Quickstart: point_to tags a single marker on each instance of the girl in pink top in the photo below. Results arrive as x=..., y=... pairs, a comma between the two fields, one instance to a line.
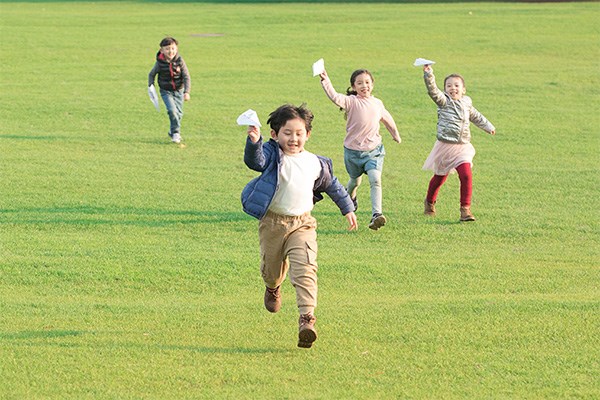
x=363, y=147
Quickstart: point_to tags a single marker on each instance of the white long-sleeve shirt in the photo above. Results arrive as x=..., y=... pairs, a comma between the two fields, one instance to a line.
x=297, y=176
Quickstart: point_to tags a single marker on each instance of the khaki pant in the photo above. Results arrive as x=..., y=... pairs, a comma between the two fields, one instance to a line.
x=290, y=243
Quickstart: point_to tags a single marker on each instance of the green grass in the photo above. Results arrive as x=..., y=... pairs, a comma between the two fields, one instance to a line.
x=128, y=270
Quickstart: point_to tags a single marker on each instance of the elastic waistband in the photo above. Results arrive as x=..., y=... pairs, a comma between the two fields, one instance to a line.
x=378, y=147
x=274, y=215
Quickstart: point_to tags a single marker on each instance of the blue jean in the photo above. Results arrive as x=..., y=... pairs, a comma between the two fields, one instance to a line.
x=360, y=162
x=174, y=104
x=369, y=162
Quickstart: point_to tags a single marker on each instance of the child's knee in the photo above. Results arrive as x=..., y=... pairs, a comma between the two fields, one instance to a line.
x=374, y=178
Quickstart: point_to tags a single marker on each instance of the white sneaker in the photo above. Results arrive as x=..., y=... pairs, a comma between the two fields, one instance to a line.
x=176, y=138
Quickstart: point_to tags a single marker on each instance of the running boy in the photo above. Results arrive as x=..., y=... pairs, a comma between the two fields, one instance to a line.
x=282, y=197
x=174, y=82
x=453, y=149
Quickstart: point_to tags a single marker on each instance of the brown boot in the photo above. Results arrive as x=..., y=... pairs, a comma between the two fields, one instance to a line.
x=465, y=214
x=306, y=330
x=272, y=299
x=429, y=208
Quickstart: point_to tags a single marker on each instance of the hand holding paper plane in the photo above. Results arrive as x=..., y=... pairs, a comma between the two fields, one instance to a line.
x=153, y=97
x=422, y=61
x=318, y=67
x=248, y=117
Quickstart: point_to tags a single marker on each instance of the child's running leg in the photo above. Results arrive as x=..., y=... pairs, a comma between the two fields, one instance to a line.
x=301, y=249
x=376, y=192
x=466, y=183
x=466, y=189
x=354, y=163
x=378, y=219
x=273, y=264
x=174, y=105
x=353, y=185
x=435, y=184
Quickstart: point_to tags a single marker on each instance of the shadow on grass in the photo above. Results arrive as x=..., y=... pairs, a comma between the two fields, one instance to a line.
x=88, y=215
x=78, y=139
x=45, y=334
x=443, y=222
x=33, y=137
x=25, y=338
x=295, y=1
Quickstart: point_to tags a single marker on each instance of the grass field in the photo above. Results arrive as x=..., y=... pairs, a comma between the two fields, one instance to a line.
x=128, y=270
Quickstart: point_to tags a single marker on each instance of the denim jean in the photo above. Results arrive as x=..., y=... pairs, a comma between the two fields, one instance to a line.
x=369, y=162
x=174, y=104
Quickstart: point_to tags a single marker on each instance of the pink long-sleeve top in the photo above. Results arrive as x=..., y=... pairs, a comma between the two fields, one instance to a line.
x=364, y=117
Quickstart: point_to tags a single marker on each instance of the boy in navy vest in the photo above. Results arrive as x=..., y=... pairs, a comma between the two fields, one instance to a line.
x=174, y=82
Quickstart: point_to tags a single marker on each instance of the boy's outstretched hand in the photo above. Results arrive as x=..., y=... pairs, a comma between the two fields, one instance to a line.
x=351, y=217
x=254, y=133
x=427, y=68
x=323, y=75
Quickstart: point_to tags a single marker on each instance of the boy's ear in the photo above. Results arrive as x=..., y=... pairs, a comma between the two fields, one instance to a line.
x=308, y=134
x=273, y=134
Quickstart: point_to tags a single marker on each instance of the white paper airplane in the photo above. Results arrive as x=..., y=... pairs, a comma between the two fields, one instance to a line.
x=248, y=117
x=422, y=61
x=153, y=97
x=318, y=67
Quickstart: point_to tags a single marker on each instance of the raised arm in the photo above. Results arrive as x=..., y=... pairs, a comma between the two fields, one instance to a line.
x=337, y=98
x=254, y=156
x=434, y=92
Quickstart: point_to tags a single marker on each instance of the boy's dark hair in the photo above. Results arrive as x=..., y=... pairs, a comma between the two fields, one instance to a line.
x=168, y=41
x=286, y=112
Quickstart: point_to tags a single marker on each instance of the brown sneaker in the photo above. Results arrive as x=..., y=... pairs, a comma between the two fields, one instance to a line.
x=377, y=221
x=306, y=330
x=429, y=208
x=465, y=214
x=272, y=299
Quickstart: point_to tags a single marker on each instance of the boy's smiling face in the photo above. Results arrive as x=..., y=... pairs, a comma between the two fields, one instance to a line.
x=292, y=136
x=169, y=51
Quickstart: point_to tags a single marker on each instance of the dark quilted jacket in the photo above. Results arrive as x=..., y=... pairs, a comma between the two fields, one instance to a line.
x=259, y=192
x=172, y=75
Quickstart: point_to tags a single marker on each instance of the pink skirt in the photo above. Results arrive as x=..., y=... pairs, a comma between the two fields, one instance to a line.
x=445, y=157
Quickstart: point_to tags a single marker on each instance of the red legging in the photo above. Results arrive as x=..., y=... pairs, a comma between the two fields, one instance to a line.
x=466, y=185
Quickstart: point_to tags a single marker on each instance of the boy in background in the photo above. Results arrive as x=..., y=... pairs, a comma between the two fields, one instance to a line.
x=174, y=82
